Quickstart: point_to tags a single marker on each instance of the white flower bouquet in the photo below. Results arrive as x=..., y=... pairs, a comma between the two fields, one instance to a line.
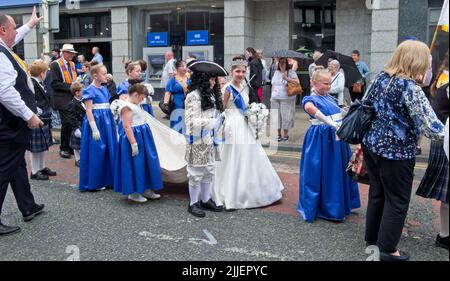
x=257, y=114
x=115, y=109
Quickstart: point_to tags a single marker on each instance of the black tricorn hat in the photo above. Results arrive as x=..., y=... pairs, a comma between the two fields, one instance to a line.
x=208, y=67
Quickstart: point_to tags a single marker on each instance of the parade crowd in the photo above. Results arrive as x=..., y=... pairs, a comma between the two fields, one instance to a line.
x=117, y=142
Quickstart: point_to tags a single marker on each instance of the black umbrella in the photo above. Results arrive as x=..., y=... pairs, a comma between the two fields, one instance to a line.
x=351, y=72
x=208, y=67
x=286, y=54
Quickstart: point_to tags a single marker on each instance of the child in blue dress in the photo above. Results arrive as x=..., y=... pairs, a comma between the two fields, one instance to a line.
x=326, y=191
x=133, y=70
x=137, y=168
x=98, y=137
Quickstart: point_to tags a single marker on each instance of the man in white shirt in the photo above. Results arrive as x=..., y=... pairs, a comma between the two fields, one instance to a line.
x=18, y=114
x=169, y=69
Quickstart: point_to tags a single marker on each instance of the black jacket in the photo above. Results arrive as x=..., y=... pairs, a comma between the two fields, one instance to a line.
x=256, y=68
x=61, y=90
x=43, y=101
x=76, y=113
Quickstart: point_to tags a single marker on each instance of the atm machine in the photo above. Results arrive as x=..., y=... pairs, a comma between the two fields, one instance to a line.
x=197, y=44
x=200, y=52
x=155, y=58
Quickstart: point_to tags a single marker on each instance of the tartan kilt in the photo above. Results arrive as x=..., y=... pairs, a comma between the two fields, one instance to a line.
x=434, y=184
x=41, y=139
x=75, y=143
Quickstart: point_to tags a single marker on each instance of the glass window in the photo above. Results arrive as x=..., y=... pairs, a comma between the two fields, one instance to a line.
x=83, y=26
x=159, y=23
x=197, y=21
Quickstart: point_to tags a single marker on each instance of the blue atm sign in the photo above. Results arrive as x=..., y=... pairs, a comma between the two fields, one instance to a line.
x=157, y=39
x=197, y=37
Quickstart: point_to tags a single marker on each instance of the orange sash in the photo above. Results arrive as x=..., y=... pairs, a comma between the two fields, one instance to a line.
x=65, y=72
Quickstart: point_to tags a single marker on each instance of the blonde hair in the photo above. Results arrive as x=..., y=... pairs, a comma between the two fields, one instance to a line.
x=410, y=60
x=96, y=68
x=38, y=67
x=318, y=73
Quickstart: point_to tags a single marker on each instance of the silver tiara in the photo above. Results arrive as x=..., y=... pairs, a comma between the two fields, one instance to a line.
x=239, y=62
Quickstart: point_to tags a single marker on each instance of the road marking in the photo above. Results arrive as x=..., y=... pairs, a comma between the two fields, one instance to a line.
x=256, y=253
x=211, y=240
x=148, y=236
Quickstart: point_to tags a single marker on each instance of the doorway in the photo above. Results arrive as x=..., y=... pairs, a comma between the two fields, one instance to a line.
x=105, y=50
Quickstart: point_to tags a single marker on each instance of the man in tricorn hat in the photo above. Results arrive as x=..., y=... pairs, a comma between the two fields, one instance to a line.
x=202, y=105
x=63, y=74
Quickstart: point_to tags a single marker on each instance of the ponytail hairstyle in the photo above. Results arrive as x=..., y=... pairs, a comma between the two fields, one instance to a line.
x=319, y=71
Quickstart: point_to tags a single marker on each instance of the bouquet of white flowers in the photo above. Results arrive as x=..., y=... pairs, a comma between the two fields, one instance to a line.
x=115, y=109
x=257, y=114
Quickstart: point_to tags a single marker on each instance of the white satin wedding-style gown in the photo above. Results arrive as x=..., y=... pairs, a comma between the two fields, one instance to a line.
x=245, y=177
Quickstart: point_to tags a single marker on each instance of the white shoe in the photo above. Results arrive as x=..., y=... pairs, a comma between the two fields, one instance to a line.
x=136, y=197
x=100, y=189
x=151, y=195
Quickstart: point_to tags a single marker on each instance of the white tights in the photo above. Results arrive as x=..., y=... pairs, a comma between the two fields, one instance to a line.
x=37, y=161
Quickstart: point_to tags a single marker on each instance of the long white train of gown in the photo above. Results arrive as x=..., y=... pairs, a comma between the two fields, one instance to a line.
x=171, y=147
x=245, y=177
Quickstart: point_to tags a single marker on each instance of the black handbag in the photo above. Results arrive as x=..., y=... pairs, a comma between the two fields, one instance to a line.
x=169, y=108
x=357, y=122
x=358, y=119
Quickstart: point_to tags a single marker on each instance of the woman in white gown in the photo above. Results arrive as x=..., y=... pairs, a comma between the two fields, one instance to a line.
x=244, y=177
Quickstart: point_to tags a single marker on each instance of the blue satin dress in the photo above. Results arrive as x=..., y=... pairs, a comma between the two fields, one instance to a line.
x=141, y=172
x=178, y=95
x=326, y=191
x=97, y=158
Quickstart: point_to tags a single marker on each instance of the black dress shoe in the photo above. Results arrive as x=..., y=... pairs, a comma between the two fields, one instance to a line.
x=442, y=242
x=77, y=163
x=5, y=230
x=211, y=206
x=404, y=256
x=48, y=172
x=37, y=210
x=39, y=176
x=196, y=210
x=64, y=154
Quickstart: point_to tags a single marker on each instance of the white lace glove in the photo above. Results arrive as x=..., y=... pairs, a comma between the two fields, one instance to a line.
x=77, y=133
x=319, y=115
x=134, y=149
x=95, y=131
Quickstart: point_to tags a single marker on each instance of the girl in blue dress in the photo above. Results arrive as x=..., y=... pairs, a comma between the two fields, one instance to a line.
x=326, y=191
x=99, y=136
x=137, y=169
x=133, y=70
x=176, y=90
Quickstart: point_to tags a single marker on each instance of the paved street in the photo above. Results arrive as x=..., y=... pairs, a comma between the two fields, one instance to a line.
x=105, y=226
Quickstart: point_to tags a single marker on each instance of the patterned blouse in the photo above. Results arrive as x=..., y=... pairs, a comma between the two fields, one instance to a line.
x=402, y=112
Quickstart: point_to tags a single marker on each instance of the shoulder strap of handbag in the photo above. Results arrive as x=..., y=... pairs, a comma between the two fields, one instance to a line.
x=366, y=95
x=335, y=78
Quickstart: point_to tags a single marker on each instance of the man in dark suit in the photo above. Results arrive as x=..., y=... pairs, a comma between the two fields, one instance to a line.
x=63, y=74
x=17, y=116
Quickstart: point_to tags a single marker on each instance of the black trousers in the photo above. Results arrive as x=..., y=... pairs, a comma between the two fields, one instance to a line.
x=13, y=170
x=389, y=195
x=66, y=130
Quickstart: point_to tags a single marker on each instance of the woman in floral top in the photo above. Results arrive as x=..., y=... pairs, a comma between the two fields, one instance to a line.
x=402, y=113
